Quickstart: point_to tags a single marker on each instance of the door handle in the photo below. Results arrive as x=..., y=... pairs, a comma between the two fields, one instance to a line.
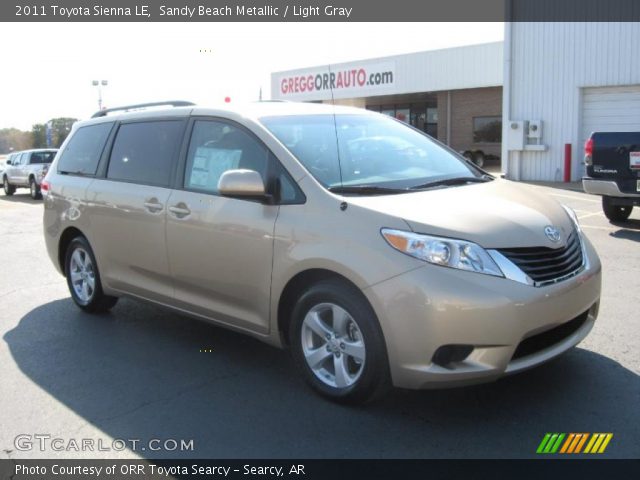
x=153, y=207
x=180, y=211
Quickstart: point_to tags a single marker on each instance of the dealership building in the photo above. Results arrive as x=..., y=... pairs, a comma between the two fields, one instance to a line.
x=531, y=100
x=453, y=94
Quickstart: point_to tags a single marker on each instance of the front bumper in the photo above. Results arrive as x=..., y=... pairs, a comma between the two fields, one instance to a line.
x=432, y=307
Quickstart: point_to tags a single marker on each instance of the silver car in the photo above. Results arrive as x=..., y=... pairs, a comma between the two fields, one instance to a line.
x=27, y=169
x=376, y=254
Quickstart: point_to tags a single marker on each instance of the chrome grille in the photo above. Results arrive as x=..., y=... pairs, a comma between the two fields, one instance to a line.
x=546, y=265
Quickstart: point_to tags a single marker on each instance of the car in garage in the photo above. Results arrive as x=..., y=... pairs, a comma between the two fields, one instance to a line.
x=376, y=254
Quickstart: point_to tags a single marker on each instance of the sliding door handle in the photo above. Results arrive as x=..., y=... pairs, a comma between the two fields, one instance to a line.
x=180, y=211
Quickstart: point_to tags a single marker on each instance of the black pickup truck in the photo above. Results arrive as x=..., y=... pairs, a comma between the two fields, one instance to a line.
x=613, y=171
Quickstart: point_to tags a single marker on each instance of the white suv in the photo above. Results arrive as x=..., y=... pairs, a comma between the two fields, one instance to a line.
x=27, y=169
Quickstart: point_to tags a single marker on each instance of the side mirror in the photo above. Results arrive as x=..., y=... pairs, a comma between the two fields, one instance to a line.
x=8, y=162
x=243, y=184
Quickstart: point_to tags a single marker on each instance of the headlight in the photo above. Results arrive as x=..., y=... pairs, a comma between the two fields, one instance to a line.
x=446, y=252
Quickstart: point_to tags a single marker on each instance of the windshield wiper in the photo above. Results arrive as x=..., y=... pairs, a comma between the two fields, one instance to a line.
x=366, y=189
x=452, y=181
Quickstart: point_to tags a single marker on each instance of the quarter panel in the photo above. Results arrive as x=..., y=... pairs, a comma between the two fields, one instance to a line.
x=65, y=206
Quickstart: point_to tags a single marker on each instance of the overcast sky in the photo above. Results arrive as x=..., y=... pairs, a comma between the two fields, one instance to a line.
x=47, y=68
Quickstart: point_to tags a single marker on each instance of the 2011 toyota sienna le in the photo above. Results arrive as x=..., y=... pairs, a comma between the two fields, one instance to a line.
x=376, y=254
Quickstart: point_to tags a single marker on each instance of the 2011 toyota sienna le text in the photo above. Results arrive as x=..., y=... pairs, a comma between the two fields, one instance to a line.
x=376, y=254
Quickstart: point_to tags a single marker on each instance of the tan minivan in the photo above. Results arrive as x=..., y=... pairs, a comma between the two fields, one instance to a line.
x=376, y=254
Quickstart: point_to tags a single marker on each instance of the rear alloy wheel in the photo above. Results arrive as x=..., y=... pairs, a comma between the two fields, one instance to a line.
x=337, y=343
x=83, y=278
x=615, y=213
x=8, y=188
x=34, y=189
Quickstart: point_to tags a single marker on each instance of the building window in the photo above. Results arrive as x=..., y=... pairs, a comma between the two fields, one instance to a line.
x=487, y=129
x=423, y=117
x=403, y=114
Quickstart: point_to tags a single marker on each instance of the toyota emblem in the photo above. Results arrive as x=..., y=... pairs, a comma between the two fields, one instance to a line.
x=552, y=233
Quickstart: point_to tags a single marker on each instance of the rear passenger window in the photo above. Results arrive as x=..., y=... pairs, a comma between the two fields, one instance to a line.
x=143, y=152
x=216, y=147
x=83, y=151
x=42, y=157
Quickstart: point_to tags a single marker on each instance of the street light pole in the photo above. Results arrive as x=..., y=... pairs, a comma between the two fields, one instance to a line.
x=99, y=84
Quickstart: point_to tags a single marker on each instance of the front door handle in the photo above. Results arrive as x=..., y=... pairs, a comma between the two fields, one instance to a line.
x=153, y=206
x=180, y=210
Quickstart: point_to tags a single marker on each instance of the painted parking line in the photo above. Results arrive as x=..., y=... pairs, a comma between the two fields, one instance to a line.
x=608, y=229
x=593, y=214
x=573, y=197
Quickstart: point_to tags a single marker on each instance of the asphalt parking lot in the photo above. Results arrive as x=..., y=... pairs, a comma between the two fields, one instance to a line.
x=141, y=373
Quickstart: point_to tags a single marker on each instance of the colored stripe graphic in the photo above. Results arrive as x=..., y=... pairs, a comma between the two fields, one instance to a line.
x=598, y=443
x=543, y=443
x=567, y=443
x=581, y=442
x=556, y=443
x=605, y=443
x=550, y=443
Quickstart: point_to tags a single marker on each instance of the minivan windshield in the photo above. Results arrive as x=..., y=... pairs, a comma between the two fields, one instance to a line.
x=370, y=153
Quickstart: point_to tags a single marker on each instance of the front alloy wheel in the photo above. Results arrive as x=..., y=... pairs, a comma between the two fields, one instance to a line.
x=333, y=345
x=337, y=343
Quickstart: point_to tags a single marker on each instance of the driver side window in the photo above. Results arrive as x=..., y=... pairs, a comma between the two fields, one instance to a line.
x=216, y=147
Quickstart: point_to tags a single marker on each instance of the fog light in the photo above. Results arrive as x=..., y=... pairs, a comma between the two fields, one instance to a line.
x=448, y=354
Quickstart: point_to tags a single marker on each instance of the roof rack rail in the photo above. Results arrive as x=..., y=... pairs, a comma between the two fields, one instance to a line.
x=172, y=103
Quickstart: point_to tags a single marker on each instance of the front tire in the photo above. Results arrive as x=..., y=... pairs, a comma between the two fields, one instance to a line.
x=615, y=213
x=8, y=188
x=337, y=343
x=83, y=278
x=34, y=189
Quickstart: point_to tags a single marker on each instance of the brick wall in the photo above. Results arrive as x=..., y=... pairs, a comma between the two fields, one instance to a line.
x=466, y=104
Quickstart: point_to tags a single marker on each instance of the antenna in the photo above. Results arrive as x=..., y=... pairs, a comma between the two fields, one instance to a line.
x=335, y=124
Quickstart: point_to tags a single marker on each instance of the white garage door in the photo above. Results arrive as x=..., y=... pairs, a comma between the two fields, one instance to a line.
x=610, y=109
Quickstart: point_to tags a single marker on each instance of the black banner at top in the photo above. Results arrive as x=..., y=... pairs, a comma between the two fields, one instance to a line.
x=319, y=10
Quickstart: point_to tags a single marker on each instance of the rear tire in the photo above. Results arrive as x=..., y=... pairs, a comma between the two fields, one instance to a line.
x=337, y=343
x=8, y=188
x=83, y=278
x=34, y=189
x=615, y=213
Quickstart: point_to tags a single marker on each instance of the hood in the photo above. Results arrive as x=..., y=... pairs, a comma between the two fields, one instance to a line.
x=496, y=214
